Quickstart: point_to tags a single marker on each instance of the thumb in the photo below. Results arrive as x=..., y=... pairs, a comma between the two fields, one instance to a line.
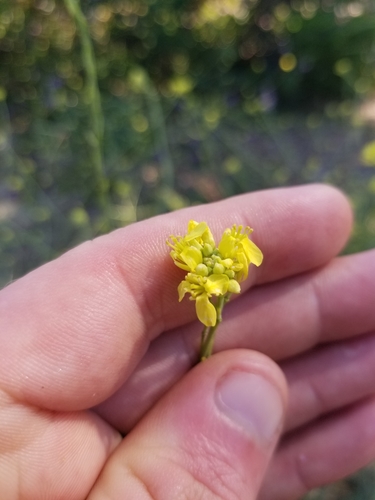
x=211, y=436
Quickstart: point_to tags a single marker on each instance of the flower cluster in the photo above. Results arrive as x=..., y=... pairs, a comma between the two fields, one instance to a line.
x=212, y=270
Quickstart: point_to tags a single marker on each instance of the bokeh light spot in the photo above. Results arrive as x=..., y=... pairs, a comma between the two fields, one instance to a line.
x=287, y=62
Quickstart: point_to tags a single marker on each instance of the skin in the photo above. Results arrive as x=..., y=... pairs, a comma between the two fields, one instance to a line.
x=94, y=345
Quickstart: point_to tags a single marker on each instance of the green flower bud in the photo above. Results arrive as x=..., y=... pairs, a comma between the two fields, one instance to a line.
x=218, y=268
x=202, y=270
x=230, y=273
x=207, y=250
x=234, y=286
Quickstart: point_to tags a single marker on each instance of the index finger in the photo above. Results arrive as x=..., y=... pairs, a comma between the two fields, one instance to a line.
x=73, y=330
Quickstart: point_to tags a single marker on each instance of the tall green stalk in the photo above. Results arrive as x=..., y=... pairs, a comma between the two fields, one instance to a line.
x=160, y=132
x=92, y=96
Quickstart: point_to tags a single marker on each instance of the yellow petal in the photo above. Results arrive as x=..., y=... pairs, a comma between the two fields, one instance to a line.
x=242, y=259
x=207, y=237
x=201, y=232
x=197, y=231
x=181, y=265
x=192, y=224
x=217, y=284
x=183, y=288
x=206, y=311
x=192, y=257
x=226, y=245
x=253, y=253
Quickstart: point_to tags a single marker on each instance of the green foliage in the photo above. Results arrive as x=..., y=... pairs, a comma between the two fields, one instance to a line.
x=203, y=47
x=191, y=95
x=357, y=487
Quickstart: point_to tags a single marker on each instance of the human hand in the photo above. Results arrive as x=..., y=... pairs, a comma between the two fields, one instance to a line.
x=76, y=333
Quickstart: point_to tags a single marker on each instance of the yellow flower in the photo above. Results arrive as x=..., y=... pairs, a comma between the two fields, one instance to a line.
x=212, y=271
x=200, y=232
x=237, y=246
x=201, y=289
x=187, y=251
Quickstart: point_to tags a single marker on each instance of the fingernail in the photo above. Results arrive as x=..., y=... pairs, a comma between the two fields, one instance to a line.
x=252, y=402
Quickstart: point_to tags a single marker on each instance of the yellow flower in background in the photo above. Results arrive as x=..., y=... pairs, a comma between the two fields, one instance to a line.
x=213, y=271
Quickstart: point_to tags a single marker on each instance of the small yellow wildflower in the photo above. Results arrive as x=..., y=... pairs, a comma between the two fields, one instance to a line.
x=188, y=251
x=236, y=245
x=213, y=271
x=201, y=289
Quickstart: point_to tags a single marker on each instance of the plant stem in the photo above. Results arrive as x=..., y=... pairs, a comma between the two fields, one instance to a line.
x=92, y=96
x=159, y=129
x=205, y=331
x=208, y=334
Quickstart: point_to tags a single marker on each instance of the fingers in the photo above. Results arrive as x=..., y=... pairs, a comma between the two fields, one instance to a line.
x=50, y=455
x=329, y=378
x=295, y=314
x=211, y=436
x=279, y=319
x=322, y=381
x=73, y=331
x=322, y=453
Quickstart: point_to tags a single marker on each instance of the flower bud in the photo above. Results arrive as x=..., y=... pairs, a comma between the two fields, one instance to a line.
x=218, y=268
x=202, y=270
x=234, y=286
x=207, y=250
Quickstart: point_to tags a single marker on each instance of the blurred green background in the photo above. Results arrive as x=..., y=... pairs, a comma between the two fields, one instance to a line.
x=115, y=110
x=200, y=100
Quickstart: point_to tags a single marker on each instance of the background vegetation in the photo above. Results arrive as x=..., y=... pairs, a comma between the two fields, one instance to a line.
x=129, y=108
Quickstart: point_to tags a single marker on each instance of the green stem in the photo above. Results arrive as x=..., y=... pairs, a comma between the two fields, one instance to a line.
x=92, y=95
x=208, y=335
x=158, y=126
x=205, y=331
